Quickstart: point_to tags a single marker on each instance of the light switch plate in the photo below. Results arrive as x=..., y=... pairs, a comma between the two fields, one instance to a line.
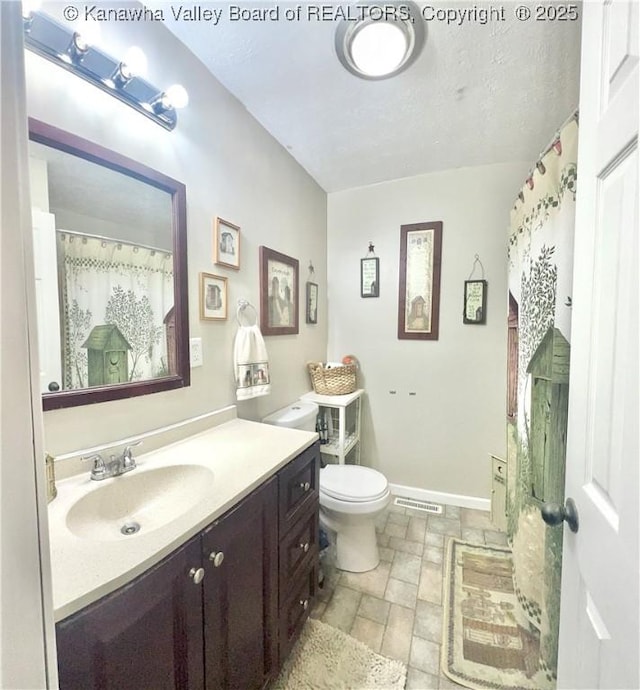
x=195, y=352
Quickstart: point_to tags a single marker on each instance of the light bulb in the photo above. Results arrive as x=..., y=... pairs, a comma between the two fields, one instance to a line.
x=88, y=32
x=177, y=96
x=136, y=62
x=378, y=48
x=29, y=7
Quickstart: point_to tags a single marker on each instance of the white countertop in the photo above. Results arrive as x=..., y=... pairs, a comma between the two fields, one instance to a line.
x=241, y=454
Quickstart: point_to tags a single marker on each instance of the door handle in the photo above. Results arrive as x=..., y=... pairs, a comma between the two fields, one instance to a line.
x=554, y=514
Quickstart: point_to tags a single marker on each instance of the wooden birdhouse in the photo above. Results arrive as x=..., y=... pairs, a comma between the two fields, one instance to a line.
x=549, y=369
x=107, y=354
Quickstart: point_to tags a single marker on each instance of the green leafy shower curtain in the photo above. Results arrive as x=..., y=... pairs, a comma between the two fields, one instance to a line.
x=540, y=287
x=110, y=283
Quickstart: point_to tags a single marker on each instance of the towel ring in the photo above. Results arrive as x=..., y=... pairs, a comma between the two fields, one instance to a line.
x=242, y=305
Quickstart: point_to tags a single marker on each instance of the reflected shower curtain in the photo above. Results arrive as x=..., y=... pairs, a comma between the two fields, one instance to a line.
x=540, y=297
x=116, y=297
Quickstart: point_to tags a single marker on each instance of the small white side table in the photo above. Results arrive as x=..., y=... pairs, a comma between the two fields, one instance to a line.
x=341, y=414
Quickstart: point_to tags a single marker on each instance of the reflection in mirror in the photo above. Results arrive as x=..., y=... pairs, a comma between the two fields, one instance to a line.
x=110, y=265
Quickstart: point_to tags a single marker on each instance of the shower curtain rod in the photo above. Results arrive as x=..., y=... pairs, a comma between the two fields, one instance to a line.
x=103, y=238
x=545, y=151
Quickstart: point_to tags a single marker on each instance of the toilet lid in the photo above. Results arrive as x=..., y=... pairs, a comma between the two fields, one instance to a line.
x=352, y=483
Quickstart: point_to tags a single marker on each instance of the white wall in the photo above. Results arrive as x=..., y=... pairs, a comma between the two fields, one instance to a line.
x=231, y=168
x=439, y=439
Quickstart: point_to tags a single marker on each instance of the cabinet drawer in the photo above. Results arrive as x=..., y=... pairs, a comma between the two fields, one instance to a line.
x=298, y=485
x=298, y=548
x=295, y=610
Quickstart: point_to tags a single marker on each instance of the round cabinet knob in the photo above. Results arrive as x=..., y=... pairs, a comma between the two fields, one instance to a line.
x=305, y=486
x=304, y=603
x=305, y=546
x=197, y=575
x=54, y=386
x=216, y=557
x=554, y=514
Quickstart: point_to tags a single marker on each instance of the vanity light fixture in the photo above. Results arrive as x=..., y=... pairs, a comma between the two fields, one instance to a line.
x=67, y=48
x=379, y=40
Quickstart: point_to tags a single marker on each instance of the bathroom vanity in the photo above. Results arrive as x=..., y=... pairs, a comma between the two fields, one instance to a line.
x=224, y=606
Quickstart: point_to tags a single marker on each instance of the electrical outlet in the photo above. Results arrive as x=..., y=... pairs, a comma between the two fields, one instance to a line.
x=195, y=352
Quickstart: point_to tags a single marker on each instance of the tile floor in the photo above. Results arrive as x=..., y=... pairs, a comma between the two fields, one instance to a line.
x=396, y=609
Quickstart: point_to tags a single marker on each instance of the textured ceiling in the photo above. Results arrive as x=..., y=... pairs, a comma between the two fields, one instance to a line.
x=478, y=93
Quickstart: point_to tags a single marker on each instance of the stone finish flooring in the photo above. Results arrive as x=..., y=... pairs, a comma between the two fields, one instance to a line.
x=396, y=609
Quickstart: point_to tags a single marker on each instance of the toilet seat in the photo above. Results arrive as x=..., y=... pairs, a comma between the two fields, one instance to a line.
x=353, y=483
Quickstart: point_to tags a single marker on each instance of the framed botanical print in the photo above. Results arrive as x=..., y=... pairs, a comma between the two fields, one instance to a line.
x=475, y=302
x=419, y=291
x=312, y=302
x=278, y=293
x=213, y=297
x=226, y=244
x=370, y=277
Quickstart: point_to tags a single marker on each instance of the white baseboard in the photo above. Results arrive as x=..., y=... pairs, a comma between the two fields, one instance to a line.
x=440, y=497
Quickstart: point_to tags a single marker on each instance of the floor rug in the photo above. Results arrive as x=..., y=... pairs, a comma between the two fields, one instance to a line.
x=487, y=639
x=325, y=658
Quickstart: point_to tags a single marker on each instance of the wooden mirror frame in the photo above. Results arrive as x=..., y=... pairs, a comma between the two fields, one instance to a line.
x=70, y=143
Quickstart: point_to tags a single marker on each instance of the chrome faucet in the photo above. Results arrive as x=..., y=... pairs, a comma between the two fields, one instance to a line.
x=115, y=466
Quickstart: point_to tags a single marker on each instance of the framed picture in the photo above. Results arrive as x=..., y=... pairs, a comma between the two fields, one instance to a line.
x=226, y=244
x=312, y=303
x=370, y=277
x=419, y=294
x=475, y=302
x=278, y=293
x=213, y=297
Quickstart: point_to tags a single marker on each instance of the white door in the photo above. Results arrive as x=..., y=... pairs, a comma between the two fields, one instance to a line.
x=47, y=303
x=599, y=640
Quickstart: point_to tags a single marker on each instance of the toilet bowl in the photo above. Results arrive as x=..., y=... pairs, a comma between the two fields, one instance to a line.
x=351, y=497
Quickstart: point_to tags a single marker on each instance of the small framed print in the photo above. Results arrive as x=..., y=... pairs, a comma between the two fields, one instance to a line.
x=475, y=302
x=370, y=277
x=226, y=244
x=213, y=297
x=312, y=303
x=278, y=293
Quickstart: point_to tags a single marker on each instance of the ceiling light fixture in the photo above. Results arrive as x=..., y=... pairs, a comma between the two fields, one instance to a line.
x=383, y=41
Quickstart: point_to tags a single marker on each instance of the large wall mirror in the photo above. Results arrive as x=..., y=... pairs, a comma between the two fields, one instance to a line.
x=110, y=251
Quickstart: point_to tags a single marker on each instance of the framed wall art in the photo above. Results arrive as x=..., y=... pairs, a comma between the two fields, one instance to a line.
x=278, y=293
x=213, y=297
x=370, y=277
x=312, y=302
x=419, y=290
x=475, y=302
x=226, y=244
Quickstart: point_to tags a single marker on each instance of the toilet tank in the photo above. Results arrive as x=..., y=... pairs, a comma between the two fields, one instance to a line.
x=299, y=415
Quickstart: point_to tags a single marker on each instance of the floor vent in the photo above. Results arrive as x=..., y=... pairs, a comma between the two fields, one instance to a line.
x=419, y=505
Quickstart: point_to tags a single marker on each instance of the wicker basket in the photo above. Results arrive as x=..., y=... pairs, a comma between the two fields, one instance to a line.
x=333, y=381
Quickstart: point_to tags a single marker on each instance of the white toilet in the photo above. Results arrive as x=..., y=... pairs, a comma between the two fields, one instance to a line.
x=351, y=496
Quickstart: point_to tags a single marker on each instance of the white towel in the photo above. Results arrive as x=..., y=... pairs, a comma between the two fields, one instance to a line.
x=251, y=363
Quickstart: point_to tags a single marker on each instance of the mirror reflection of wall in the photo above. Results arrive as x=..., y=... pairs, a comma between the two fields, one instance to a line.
x=104, y=273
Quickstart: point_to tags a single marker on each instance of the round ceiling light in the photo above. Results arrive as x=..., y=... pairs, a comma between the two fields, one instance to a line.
x=382, y=41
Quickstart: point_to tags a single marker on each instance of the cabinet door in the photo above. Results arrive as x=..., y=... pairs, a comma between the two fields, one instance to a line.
x=147, y=635
x=240, y=593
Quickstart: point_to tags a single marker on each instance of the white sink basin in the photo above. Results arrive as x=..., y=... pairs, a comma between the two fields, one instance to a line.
x=138, y=502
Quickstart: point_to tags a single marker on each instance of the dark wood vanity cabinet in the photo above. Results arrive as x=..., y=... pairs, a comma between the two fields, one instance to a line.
x=299, y=493
x=148, y=634
x=221, y=612
x=240, y=553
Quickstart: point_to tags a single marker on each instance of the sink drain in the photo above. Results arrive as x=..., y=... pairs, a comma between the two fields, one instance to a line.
x=130, y=528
